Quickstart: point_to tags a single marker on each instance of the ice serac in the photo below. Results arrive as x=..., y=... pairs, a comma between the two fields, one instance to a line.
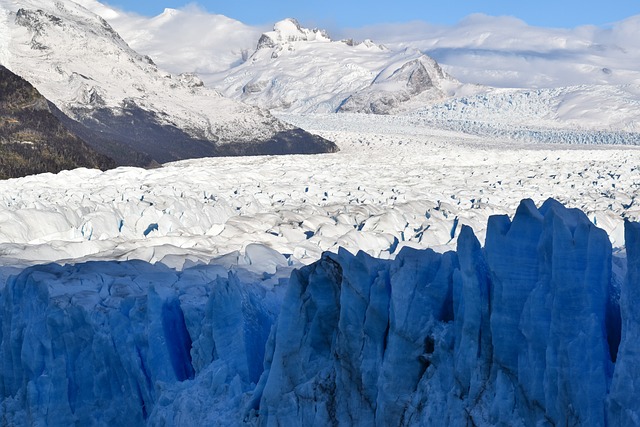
x=515, y=334
x=519, y=333
x=119, y=101
x=110, y=343
x=625, y=386
x=355, y=337
x=550, y=333
x=473, y=349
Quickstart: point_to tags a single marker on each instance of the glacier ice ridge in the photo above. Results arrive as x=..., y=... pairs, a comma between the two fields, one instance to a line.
x=538, y=327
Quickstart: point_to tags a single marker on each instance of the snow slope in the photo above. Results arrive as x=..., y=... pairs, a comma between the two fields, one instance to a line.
x=299, y=70
x=188, y=39
x=48, y=43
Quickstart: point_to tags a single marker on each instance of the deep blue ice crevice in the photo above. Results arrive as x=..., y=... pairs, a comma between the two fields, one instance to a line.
x=177, y=339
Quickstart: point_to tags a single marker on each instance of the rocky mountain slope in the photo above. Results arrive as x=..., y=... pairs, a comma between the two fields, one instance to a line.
x=32, y=139
x=76, y=59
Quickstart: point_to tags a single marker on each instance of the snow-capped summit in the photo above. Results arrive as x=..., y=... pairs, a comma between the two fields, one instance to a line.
x=287, y=31
x=299, y=70
x=79, y=62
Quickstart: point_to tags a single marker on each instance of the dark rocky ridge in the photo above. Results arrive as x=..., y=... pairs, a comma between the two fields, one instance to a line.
x=137, y=138
x=33, y=139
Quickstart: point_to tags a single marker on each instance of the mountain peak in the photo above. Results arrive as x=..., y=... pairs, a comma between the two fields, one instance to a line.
x=79, y=62
x=289, y=31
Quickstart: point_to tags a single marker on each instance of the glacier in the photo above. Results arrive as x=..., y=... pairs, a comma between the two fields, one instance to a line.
x=534, y=328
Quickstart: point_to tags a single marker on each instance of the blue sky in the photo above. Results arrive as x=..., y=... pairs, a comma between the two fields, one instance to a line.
x=352, y=14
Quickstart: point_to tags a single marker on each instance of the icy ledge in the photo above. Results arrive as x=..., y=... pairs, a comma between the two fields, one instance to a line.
x=534, y=329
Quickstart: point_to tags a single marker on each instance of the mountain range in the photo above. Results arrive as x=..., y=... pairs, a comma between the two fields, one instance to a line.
x=301, y=70
x=579, y=79
x=121, y=103
x=127, y=108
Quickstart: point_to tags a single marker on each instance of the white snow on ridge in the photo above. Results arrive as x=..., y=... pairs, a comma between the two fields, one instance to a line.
x=502, y=51
x=497, y=51
x=48, y=46
x=393, y=185
x=298, y=70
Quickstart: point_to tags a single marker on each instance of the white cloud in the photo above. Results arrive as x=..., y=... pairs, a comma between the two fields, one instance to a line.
x=496, y=51
x=188, y=39
x=506, y=52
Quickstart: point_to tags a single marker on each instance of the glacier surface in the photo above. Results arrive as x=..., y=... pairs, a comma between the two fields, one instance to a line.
x=534, y=328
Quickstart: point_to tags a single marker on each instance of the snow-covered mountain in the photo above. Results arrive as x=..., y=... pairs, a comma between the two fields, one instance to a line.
x=75, y=59
x=296, y=69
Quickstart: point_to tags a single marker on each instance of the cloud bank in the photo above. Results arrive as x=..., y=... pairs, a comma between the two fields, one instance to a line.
x=495, y=51
x=183, y=40
x=506, y=52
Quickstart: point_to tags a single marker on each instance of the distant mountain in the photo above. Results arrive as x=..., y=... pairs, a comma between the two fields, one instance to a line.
x=297, y=70
x=32, y=139
x=76, y=60
x=300, y=70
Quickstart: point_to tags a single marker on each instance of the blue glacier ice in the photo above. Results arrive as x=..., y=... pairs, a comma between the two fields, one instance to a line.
x=533, y=329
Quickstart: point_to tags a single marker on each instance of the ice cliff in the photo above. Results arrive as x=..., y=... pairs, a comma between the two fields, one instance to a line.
x=533, y=329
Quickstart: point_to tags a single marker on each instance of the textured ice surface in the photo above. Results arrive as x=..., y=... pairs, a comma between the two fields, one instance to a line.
x=525, y=331
x=107, y=343
x=395, y=183
x=513, y=334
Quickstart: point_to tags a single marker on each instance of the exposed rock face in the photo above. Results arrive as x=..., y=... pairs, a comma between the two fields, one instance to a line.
x=388, y=92
x=32, y=139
